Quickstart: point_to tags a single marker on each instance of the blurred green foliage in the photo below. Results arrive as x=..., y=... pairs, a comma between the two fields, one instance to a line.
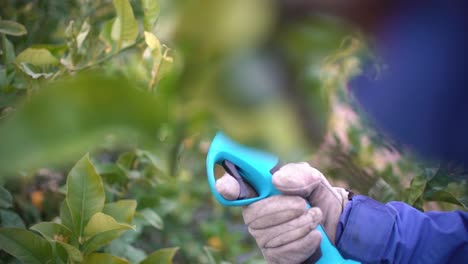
x=144, y=85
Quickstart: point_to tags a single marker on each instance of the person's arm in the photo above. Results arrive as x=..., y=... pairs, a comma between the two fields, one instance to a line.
x=398, y=233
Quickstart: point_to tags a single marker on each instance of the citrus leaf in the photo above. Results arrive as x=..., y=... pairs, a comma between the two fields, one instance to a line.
x=448, y=197
x=123, y=249
x=58, y=50
x=153, y=42
x=12, y=28
x=25, y=245
x=3, y=83
x=98, y=258
x=125, y=27
x=211, y=259
x=27, y=68
x=100, y=223
x=8, y=50
x=101, y=239
x=155, y=161
x=60, y=253
x=80, y=38
x=65, y=215
x=151, y=13
x=90, y=108
x=121, y=211
x=126, y=160
x=112, y=173
x=152, y=218
x=37, y=57
x=447, y=185
x=416, y=189
x=72, y=251
x=85, y=194
x=6, y=200
x=162, y=256
x=10, y=219
x=382, y=191
x=106, y=35
x=53, y=231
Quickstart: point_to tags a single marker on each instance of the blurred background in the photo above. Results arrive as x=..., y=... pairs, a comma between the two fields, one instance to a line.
x=143, y=86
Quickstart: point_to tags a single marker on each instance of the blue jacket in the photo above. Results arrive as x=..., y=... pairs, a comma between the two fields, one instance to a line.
x=372, y=232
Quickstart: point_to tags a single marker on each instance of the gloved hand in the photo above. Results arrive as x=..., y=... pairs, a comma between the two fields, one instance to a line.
x=282, y=226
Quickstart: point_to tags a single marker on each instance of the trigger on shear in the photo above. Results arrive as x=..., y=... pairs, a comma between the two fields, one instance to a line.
x=232, y=170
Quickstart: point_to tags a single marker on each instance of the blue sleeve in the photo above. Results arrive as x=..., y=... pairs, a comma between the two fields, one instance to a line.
x=398, y=233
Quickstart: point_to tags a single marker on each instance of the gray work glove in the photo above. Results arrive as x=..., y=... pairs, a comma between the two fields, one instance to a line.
x=282, y=226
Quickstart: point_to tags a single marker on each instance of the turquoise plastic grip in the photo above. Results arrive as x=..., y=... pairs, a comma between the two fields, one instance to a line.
x=254, y=167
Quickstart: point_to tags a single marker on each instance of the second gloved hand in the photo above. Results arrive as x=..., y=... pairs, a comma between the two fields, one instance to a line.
x=282, y=226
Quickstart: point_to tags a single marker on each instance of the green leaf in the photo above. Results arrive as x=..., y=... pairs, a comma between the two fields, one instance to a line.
x=65, y=215
x=106, y=35
x=101, y=239
x=162, y=256
x=72, y=251
x=123, y=249
x=447, y=185
x=121, y=211
x=3, y=83
x=25, y=245
x=53, y=231
x=37, y=57
x=211, y=259
x=80, y=38
x=8, y=50
x=34, y=73
x=126, y=160
x=6, y=200
x=60, y=253
x=102, y=229
x=125, y=27
x=153, y=43
x=154, y=160
x=7, y=99
x=448, y=197
x=151, y=11
x=10, y=219
x=416, y=189
x=152, y=218
x=418, y=204
x=12, y=28
x=57, y=50
x=100, y=223
x=99, y=258
x=382, y=191
x=80, y=112
x=85, y=194
x=112, y=173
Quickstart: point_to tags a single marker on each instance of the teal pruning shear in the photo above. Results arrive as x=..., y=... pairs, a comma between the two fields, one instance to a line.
x=254, y=167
